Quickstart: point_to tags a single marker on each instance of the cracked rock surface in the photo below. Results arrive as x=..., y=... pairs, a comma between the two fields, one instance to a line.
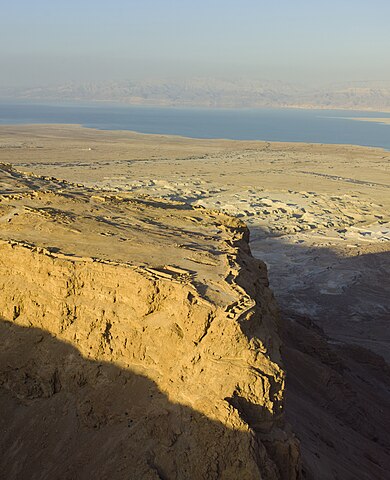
x=138, y=340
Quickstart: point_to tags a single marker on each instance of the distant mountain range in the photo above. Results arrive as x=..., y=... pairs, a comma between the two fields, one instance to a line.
x=203, y=92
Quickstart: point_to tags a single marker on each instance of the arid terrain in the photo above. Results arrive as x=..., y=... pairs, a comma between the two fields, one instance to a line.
x=157, y=210
x=139, y=340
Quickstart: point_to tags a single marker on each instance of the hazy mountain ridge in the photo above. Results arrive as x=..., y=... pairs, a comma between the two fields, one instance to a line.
x=214, y=93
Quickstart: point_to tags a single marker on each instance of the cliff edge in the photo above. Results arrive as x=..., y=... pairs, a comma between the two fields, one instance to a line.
x=138, y=340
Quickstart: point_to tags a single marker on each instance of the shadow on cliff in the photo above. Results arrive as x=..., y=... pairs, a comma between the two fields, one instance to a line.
x=338, y=391
x=67, y=417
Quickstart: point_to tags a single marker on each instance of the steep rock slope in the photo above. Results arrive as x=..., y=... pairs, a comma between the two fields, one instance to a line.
x=343, y=391
x=138, y=340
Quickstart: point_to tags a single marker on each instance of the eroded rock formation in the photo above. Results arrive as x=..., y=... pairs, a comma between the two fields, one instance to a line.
x=138, y=340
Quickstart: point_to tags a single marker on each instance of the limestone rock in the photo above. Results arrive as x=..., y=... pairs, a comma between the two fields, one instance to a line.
x=138, y=340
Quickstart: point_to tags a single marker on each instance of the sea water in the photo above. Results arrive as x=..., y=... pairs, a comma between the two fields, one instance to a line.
x=284, y=125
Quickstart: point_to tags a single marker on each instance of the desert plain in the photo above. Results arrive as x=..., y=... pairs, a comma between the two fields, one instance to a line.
x=318, y=216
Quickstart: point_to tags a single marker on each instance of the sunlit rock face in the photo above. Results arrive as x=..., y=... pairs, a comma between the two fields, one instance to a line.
x=138, y=340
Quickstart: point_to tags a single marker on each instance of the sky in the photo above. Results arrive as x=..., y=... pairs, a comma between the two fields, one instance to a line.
x=45, y=42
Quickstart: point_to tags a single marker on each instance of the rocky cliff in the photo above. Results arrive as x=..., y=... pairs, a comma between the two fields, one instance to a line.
x=138, y=340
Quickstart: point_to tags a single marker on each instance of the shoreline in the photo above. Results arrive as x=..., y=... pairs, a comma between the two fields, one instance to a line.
x=110, y=103
x=16, y=126
x=286, y=124
x=384, y=121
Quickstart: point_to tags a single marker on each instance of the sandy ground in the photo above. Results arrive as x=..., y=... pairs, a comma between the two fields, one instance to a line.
x=385, y=121
x=161, y=238
x=318, y=214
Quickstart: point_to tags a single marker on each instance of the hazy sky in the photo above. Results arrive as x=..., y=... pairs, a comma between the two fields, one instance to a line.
x=54, y=41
